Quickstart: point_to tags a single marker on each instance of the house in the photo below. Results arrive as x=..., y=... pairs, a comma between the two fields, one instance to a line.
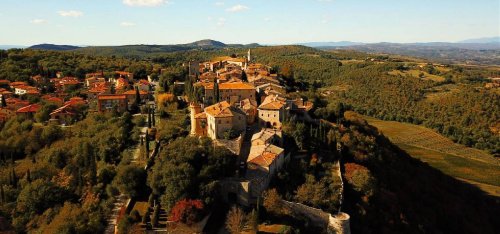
x=16, y=103
x=260, y=79
x=132, y=93
x=220, y=118
x=263, y=162
x=13, y=85
x=4, y=83
x=110, y=102
x=143, y=85
x=54, y=100
x=249, y=106
x=28, y=111
x=69, y=83
x=92, y=80
x=126, y=75
x=267, y=136
x=26, y=90
x=270, y=89
x=63, y=115
x=121, y=84
x=272, y=112
x=231, y=92
x=76, y=102
x=5, y=93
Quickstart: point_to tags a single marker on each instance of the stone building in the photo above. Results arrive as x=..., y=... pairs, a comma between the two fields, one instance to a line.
x=217, y=120
x=272, y=112
x=110, y=102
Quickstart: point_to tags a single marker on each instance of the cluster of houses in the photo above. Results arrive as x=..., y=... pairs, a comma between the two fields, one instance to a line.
x=238, y=96
x=117, y=92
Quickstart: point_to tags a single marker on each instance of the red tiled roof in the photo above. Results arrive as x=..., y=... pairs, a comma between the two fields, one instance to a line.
x=111, y=97
x=33, y=108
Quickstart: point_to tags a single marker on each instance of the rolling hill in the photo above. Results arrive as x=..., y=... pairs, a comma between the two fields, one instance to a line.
x=143, y=50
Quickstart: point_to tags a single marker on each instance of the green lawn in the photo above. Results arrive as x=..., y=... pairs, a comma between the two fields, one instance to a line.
x=478, y=168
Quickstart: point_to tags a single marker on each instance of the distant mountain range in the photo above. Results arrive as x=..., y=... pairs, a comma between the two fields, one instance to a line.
x=53, y=47
x=482, y=40
x=473, y=51
x=202, y=44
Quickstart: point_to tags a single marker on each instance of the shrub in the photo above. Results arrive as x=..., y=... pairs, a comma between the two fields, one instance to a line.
x=187, y=211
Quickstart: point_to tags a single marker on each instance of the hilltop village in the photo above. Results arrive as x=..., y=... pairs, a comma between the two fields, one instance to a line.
x=238, y=104
x=242, y=107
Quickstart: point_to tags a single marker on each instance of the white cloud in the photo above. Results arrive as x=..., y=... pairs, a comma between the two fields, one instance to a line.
x=145, y=3
x=221, y=22
x=38, y=21
x=127, y=24
x=71, y=13
x=219, y=3
x=237, y=8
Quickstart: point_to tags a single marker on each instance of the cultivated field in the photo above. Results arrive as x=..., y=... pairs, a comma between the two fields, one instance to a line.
x=471, y=165
x=415, y=73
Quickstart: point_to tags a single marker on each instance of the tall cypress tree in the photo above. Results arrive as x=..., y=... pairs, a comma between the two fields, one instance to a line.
x=149, y=117
x=137, y=96
x=28, y=176
x=2, y=194
x=153, y=117
x=147, y=146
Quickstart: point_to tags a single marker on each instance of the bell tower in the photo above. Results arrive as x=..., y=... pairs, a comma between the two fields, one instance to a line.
x=249, y=57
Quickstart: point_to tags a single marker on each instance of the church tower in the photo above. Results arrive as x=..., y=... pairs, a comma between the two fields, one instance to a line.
x=249, y=58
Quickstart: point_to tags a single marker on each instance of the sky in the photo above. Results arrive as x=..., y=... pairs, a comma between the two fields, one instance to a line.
x=120, y=22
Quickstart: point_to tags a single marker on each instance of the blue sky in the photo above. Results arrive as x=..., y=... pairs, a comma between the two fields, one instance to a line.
x=118, y=22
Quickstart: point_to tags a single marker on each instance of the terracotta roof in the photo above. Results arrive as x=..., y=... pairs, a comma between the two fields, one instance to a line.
x=257, y=150
x=33, y=108
x=265, y=159
x=223, y=109
x=144, y=82
x=273, y=105
x=18, y=83
x=66, y=109
x=4, y=82
x=111, y=97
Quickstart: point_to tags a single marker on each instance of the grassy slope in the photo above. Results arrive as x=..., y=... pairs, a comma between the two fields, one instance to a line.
x=458, y=162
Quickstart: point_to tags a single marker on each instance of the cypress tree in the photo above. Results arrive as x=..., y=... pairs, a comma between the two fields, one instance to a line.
x=147, y=146
x=2, y=194
x=149, y=117
x=14, y=177
x=28, y=176
x=153, y=117
x=137, y=96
